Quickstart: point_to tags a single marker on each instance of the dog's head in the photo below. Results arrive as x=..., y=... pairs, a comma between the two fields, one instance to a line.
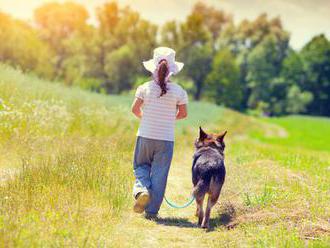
x=211, y=140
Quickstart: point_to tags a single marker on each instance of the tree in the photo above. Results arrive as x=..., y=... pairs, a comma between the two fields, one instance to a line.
x=264, y=66
x=261, y=70
x=213, y=19
x=222, y=83
x=108, y=17
x=248, y=34
x=294, y=76
x=194, y=31
x=197, y=41
x=119, y=67
x=22, y=47
x=58, y=22
x=171, y=35
x=293, y=69
x=245, y=38
x=125, y=38
x=77, y=63
x=119, y=26
x=297, y=100
x=277, y=87
x=197, y=66
x=316, y=59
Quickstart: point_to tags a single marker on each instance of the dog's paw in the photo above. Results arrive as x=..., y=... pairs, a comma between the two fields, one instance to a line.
x=200, y=220
x=205, y=226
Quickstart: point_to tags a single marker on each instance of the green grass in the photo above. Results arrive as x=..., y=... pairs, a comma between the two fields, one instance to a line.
x=66, y=177
x=302, y=132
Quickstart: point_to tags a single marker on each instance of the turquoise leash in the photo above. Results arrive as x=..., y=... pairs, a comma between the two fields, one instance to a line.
x=173, y=205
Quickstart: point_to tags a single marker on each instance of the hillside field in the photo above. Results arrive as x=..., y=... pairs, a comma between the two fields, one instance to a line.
x=66, y=174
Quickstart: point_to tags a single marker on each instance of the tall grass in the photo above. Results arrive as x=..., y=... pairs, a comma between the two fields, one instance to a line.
x=73, y=151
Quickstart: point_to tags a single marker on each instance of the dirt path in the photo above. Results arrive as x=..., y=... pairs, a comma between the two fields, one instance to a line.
x=176, y=227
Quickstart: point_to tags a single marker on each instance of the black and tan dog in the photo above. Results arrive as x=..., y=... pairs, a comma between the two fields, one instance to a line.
x=208, y=172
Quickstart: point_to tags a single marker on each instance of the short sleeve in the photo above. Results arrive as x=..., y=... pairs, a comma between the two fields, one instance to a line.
x=140, y=92
x=183, y=98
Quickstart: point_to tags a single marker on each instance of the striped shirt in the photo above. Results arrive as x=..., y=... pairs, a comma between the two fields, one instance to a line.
x=159, y=113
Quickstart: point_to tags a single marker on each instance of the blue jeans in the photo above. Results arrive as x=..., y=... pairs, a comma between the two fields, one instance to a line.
x=152, y=160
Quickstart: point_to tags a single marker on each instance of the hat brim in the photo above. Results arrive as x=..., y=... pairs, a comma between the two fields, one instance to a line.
x=175, y=67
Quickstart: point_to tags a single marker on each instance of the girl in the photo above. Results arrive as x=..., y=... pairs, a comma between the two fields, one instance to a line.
x=158, y=104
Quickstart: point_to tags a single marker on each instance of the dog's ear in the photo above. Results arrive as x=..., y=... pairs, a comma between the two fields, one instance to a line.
x=221, y=136
x=202, y=134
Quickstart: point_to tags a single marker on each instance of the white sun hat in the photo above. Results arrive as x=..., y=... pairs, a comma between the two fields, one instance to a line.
x=161, y=53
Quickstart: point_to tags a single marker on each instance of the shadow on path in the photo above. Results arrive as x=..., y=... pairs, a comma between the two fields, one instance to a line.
x=222, y=219
x=179, y=222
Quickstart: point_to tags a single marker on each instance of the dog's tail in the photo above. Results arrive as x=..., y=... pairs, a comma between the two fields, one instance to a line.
x=201, y=188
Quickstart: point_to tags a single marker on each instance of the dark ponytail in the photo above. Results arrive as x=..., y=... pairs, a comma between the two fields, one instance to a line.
x=162, y=74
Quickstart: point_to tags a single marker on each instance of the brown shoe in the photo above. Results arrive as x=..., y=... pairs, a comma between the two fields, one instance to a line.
x=141, y=202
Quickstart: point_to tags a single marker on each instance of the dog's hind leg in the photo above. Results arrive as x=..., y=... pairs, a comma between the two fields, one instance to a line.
x=199, y=210
x=206, y=219
x=199, y=205
x=214, y=194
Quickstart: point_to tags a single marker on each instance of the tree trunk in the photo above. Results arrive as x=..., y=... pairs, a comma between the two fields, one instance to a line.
x=198, y=93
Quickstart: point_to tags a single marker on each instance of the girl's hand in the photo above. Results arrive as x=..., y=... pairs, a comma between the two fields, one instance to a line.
x=136, y=107
x=182, y=112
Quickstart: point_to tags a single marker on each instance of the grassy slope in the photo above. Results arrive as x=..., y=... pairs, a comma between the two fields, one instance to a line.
x=304, y=132
x=69, y=154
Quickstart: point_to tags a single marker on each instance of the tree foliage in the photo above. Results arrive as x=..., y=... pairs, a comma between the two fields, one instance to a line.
x=20, y=46
x=125, y=39
x=222, y=82
x=196, y=39
x=316, y=59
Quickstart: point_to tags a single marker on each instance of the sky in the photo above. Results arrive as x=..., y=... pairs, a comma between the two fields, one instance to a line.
x=302, y=18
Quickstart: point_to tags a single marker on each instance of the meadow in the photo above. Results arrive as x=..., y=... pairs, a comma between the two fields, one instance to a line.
x=66, y=174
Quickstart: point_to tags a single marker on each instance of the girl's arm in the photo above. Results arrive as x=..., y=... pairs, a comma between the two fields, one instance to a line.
x=136, y=107
x=182, y=112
